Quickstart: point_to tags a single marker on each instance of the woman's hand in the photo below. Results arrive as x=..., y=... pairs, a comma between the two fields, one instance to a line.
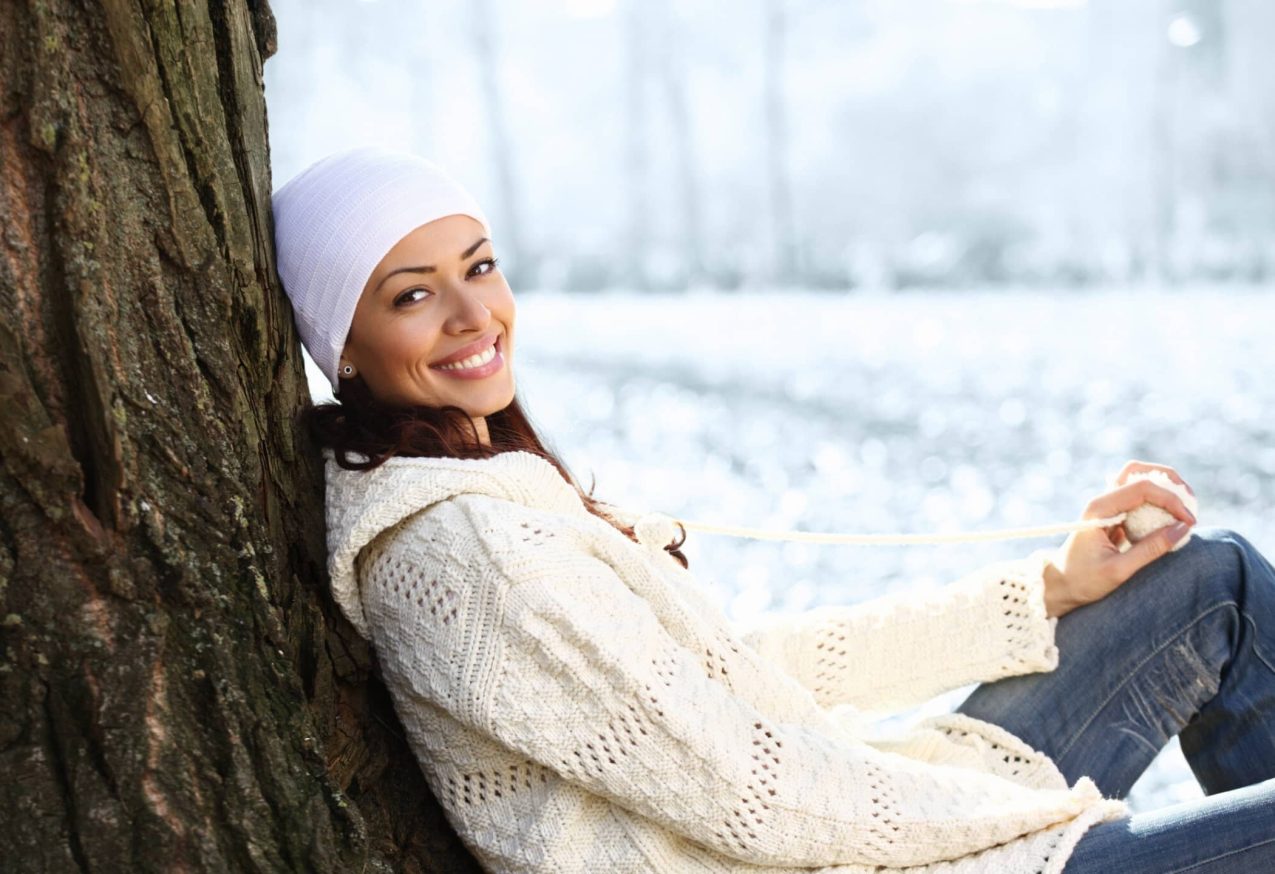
x=1090, y=564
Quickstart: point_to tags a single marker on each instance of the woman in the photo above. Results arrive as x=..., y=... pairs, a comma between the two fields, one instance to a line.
x=577, y=702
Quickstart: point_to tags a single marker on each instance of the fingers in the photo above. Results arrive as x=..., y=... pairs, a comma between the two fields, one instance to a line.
x=1135, y=466
x=1133, y=495
x=1145, y=551
x=1117, y=535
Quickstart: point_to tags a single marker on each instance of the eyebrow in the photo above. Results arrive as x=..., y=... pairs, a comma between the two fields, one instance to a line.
x=429, y=268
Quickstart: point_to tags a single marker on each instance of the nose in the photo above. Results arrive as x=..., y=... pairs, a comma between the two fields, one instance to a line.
x=468, y=312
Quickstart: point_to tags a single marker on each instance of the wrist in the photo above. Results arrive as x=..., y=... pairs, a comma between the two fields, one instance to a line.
x=1056, y=601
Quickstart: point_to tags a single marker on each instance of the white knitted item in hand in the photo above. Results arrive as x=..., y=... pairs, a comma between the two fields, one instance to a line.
x=1148, y=519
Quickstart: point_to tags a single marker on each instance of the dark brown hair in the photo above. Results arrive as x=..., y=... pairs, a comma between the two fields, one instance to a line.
x=359, y=423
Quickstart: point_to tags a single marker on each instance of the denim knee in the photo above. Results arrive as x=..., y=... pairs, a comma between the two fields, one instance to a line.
x=1214, y=533
x=1237, y=567
x=1212, y=564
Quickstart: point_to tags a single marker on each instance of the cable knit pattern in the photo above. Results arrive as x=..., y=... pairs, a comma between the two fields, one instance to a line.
x=578, y=702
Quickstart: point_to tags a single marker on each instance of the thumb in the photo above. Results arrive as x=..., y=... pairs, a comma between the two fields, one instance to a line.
x=1148, y=549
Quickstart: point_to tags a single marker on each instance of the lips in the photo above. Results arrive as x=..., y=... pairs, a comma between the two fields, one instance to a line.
x=464, y=352
x=494, y=364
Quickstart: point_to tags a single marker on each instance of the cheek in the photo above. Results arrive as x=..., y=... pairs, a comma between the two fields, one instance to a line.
x=508, y=309
x=405, y=344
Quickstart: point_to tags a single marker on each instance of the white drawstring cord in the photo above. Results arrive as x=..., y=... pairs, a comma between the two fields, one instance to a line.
x=864, y=539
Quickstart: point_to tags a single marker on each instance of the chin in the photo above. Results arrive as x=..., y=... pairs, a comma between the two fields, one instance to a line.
x=508, y=399
x=486, y=409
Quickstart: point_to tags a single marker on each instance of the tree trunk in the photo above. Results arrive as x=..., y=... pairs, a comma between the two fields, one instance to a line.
x=783, y=265
x=178, y=690
x=674, y=79
x=637, y=163
x=485, y=21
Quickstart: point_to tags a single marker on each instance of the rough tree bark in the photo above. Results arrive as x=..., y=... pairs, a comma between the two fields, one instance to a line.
x=177, y=691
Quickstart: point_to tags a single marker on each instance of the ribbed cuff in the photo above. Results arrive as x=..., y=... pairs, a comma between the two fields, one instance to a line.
x=1022, y=614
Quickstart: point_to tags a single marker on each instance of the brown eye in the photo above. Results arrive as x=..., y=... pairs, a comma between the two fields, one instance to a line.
x=491, y=261
x=403, y=298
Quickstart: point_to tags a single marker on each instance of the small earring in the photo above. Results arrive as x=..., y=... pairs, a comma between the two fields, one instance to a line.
x=347, y=370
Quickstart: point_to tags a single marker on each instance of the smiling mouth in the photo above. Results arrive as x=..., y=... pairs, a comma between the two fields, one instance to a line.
x=478, y=359
x=478, y=365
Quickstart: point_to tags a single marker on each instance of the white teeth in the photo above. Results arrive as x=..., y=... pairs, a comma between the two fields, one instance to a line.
x=473, y=360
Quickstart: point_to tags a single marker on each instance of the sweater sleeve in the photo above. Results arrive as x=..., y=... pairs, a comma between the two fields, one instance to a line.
x=588, y=682
x=898, y=650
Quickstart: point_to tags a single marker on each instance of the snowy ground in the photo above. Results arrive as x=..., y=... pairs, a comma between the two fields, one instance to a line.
x=902, y=413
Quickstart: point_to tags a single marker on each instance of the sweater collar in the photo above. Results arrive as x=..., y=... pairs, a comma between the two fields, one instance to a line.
x=361, y=504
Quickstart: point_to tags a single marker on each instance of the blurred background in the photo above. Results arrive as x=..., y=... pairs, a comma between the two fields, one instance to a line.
x=852, y=266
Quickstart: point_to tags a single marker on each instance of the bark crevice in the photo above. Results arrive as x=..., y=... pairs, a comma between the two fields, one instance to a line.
x=59, y=770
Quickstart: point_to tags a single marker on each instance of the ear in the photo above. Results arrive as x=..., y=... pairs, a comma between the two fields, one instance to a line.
x=346, y=359
x=342, y=363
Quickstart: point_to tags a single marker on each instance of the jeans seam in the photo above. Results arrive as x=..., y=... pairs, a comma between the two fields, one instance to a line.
x=1181, y=631
x=1256, y=651
x=1222, y=856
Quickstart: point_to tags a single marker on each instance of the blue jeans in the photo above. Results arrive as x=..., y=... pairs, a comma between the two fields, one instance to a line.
x=1186, y=647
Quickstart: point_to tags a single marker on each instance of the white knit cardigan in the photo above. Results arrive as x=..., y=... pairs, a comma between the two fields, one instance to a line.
x=579, y=703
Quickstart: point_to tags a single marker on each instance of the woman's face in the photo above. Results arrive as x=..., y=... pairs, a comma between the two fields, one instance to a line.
x=436, y=297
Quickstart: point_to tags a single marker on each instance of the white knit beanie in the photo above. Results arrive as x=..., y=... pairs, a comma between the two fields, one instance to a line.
x=334, y=222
